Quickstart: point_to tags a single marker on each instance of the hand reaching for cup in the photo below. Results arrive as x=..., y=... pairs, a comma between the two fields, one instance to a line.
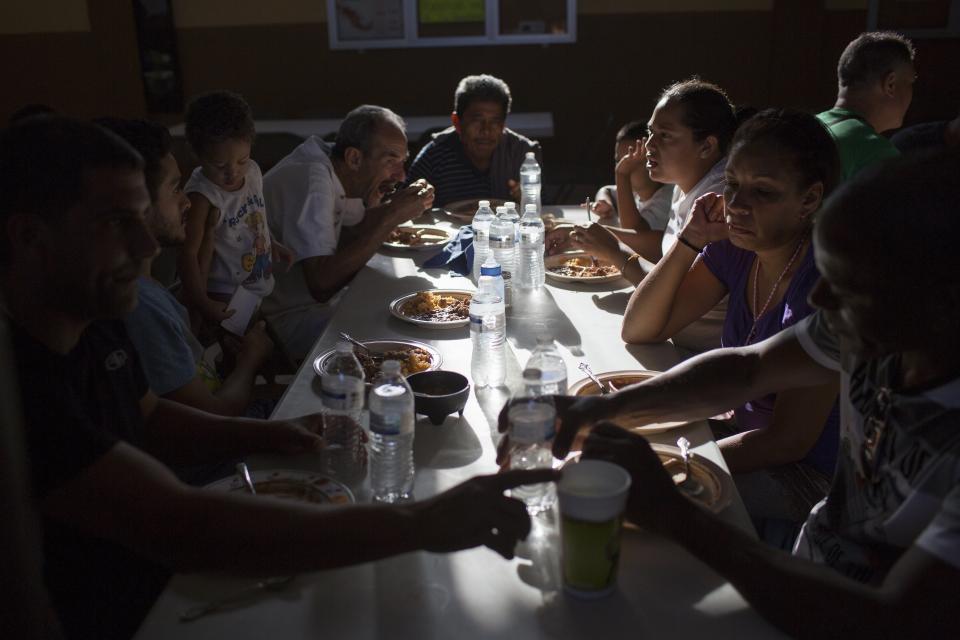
x=654, y=501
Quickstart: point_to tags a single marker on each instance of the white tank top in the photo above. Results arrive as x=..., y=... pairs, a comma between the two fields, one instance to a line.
x=241, y=237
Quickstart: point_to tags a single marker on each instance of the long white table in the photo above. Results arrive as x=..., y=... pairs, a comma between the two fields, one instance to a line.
x=475, y=594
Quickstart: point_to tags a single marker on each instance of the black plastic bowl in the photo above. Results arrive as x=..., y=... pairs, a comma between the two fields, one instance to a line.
x=437, y=394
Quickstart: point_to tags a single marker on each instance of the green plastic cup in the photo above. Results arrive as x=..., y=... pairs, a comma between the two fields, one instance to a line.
x=592, y=495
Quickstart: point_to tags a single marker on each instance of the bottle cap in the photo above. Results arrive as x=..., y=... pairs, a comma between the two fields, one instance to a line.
x=501, y=210
x=531, y=155
x=390, y=366
x=510, y=204
x=484, y=203
x=492, y=270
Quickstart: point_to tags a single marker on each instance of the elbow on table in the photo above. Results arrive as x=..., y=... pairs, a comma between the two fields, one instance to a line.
x=634, y=335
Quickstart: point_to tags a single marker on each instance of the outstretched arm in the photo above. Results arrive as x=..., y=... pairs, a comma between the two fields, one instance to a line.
x=698, y=388
x=130, y=498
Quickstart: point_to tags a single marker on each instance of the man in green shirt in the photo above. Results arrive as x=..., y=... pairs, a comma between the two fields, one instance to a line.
x=875, y=86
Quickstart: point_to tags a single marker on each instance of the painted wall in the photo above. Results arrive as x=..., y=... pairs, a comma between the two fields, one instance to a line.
x=83, y=60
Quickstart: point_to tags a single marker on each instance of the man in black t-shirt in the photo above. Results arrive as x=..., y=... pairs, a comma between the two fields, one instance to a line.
x=115, y=519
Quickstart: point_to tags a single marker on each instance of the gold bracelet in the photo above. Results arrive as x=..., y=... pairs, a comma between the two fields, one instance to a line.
x=626, y=263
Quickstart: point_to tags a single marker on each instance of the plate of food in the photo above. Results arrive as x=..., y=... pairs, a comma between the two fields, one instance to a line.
x=438, y=308
x=464, y=210
x=417, y=237
x=413, y=356
x=580, y=267
x=715, y=492
x=290, y=484
x=616, y=380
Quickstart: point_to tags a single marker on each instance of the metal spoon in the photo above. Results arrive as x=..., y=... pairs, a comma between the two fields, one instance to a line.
x=690, y=485
x=354, y=341
x=583, y=366
x=267, y=584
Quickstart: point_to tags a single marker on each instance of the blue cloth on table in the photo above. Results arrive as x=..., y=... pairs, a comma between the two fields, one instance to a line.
x=457, y=255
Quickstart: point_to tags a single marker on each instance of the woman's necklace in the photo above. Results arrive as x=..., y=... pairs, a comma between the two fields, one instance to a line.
x=756, y=288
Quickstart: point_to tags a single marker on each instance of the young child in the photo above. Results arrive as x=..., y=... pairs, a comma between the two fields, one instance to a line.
x=228, y=242
x=650, y=202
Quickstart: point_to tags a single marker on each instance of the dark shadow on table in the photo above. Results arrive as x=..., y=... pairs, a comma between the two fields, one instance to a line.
x=493, y=399
x=534, y=311
x=663, y=585
x=615, y=303
x=445, y=446
x=619, y=283
x=416, y=332
x=655, y=357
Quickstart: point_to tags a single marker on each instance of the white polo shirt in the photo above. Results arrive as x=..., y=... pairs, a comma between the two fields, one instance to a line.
x=308, y=207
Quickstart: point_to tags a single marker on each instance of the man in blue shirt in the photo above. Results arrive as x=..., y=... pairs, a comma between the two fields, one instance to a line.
x=159, y=326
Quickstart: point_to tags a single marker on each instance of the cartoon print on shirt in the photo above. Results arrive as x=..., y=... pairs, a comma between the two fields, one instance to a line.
x=257, y=263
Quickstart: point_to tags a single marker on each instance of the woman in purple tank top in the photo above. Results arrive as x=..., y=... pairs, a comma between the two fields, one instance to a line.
x=753, y=243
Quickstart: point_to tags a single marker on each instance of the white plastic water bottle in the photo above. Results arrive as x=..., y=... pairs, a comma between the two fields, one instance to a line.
x=391, y=435
x=492, y=269
x=341, y=393
x=530, y=181
x=503, y=245
x=530, y=267
x=513, y=216
x=532, y=418
x=487, y=334
x=553, y=370
x=481, y=236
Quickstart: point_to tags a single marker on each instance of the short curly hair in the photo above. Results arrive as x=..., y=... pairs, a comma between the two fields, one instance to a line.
x=481, y=88
x=871, y=56
x=216, y=117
